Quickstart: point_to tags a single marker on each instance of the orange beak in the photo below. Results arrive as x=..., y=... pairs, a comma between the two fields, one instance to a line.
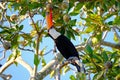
x=49, y=19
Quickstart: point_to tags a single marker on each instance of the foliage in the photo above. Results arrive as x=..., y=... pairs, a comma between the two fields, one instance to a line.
x=92, y=20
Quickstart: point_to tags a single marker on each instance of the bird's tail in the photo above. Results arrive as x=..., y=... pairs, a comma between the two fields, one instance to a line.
x=78, y=67
x=78, y=64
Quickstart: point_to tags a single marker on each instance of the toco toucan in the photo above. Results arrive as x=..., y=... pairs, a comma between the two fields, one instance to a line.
x=64, y=45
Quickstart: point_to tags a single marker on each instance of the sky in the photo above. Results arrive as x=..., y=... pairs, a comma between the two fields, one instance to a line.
x=19, y=72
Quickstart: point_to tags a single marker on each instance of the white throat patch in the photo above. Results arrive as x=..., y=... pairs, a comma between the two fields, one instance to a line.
x=54, y=33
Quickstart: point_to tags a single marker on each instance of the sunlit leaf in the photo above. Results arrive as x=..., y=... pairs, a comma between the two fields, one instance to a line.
x=66, y=69
x=11, y=56
x=117, y=20
x=94, y=40
x=52, y=73
x=89, y=29
x=115, y=38
x=42, y=51
x=72, y=77
x=118, y=77
x=43, y=62
x=33, y=33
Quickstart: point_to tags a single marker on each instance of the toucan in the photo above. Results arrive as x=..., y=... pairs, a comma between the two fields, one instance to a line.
x=63, y=44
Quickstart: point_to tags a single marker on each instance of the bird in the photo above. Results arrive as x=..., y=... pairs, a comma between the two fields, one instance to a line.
x=63, y=44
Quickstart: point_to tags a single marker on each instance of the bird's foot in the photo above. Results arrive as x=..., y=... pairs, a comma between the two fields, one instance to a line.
x=72, y=59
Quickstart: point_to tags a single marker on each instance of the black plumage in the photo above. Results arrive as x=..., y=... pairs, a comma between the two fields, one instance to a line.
x=67, y=49
x=64, y=45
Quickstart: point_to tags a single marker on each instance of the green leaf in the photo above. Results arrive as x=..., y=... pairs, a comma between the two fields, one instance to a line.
x=66, y=69
x=98, y=76
x=24, y=10
x=113, y=55
x=70, y=35
x=43, y=62
x=72, y=77
x=72, y=22
x=17, y=54
x=89, y=29
x=94, y=40
x=105, y=56
x=21, y=27
x=52, y=73
x=16, y=63
x=110, y=23
x=117, y=21
x=105, y=7
x=11, y=55
x=115, y=38
x=89, y=50
x=97, y=57
x=26, y=36
x=34, y=5
x=76, y=10
x=85, y=61
x=42, y=51
x=36, y=60
x=80, y=76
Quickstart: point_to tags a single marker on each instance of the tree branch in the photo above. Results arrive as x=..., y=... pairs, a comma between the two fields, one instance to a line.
x=48, y=68
x=109, y=44
x=5, y=77
x=2, y=6
x=45, y=70
x=6, y=65
x=20, y=61
x=24, y=64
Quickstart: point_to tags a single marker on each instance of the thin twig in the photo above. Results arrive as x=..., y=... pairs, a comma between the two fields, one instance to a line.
x=104, y=35
x=33, y=22
x=3, y=56
x=48, y=52
x=26, y=49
